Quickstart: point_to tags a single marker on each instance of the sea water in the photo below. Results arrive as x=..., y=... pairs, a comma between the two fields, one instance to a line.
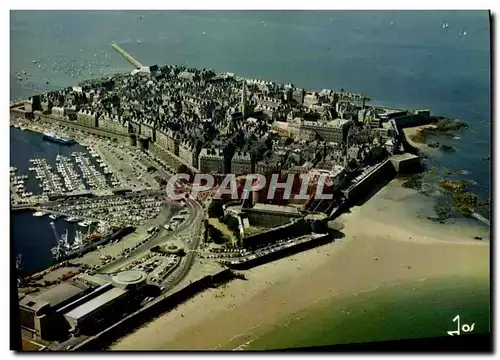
x=32, y=236
x=413, y=310
x=397, y=58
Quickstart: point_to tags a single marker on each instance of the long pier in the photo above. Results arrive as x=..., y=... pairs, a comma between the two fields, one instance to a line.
x=481, y=218
x=16, y=103
x=127, y=56
x=25, y=207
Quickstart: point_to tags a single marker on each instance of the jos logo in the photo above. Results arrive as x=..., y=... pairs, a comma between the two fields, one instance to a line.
x=465, y=327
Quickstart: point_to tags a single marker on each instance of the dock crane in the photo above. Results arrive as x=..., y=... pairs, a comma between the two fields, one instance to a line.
x=61, y=240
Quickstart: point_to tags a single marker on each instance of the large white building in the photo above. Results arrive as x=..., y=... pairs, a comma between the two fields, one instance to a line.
x=331, y=131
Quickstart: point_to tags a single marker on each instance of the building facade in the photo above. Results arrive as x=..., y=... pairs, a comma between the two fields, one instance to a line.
x=211, y=161
x=241, y=163
x=188, y=155
x=113, y=124
x=332, y=131
x=86, y=118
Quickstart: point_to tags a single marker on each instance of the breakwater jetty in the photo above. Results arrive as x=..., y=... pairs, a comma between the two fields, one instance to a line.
x=127, y=56
x=481, y=218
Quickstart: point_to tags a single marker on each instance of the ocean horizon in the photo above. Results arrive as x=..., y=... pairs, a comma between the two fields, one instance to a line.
x=400, y=59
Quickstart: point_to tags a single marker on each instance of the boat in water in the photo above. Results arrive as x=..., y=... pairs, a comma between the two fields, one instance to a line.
x=39, y=213
x=51, y=136
x=85, y=242
x=84, y=223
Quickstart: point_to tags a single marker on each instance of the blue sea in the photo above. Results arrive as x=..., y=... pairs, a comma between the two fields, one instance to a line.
x=397, y=58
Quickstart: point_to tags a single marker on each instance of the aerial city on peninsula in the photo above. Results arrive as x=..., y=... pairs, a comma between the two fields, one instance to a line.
x=156, y=197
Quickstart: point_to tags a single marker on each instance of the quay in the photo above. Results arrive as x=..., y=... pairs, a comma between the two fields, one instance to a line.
x=66, y=215
x=16, y=103
x=25, y=207
x=127, y=56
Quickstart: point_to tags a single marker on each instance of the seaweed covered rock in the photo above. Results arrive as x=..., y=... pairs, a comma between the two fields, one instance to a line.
x=441, y=126
x=414, y=182
x=447, y=124
x=463, y=199
x=447, y=148
x=453, y=185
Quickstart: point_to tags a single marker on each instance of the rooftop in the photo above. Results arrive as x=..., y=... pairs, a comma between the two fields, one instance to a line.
x=53, y=297
x=129, y=277
x=96, y=303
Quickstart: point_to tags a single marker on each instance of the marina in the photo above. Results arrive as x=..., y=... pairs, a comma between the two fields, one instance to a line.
x=18, y=184
x=49, y=181
x=67, y=172
x=131, y=209
x=61, y=174
x=72, y=181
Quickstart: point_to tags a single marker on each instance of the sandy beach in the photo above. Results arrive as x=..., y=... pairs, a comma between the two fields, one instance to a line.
x=387, y=241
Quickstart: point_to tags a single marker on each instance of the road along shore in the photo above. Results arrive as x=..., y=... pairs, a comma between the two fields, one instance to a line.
x=386, y=242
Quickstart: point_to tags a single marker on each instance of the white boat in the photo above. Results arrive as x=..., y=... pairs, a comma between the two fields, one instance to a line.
x=53, y=216
x=39, y=213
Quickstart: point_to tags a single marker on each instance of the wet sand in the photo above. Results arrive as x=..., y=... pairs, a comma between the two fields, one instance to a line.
x=388, y=241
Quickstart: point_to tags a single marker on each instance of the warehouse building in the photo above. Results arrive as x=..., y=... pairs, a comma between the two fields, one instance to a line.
x=82, y=306
x=38, y=313
x=87, y=315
